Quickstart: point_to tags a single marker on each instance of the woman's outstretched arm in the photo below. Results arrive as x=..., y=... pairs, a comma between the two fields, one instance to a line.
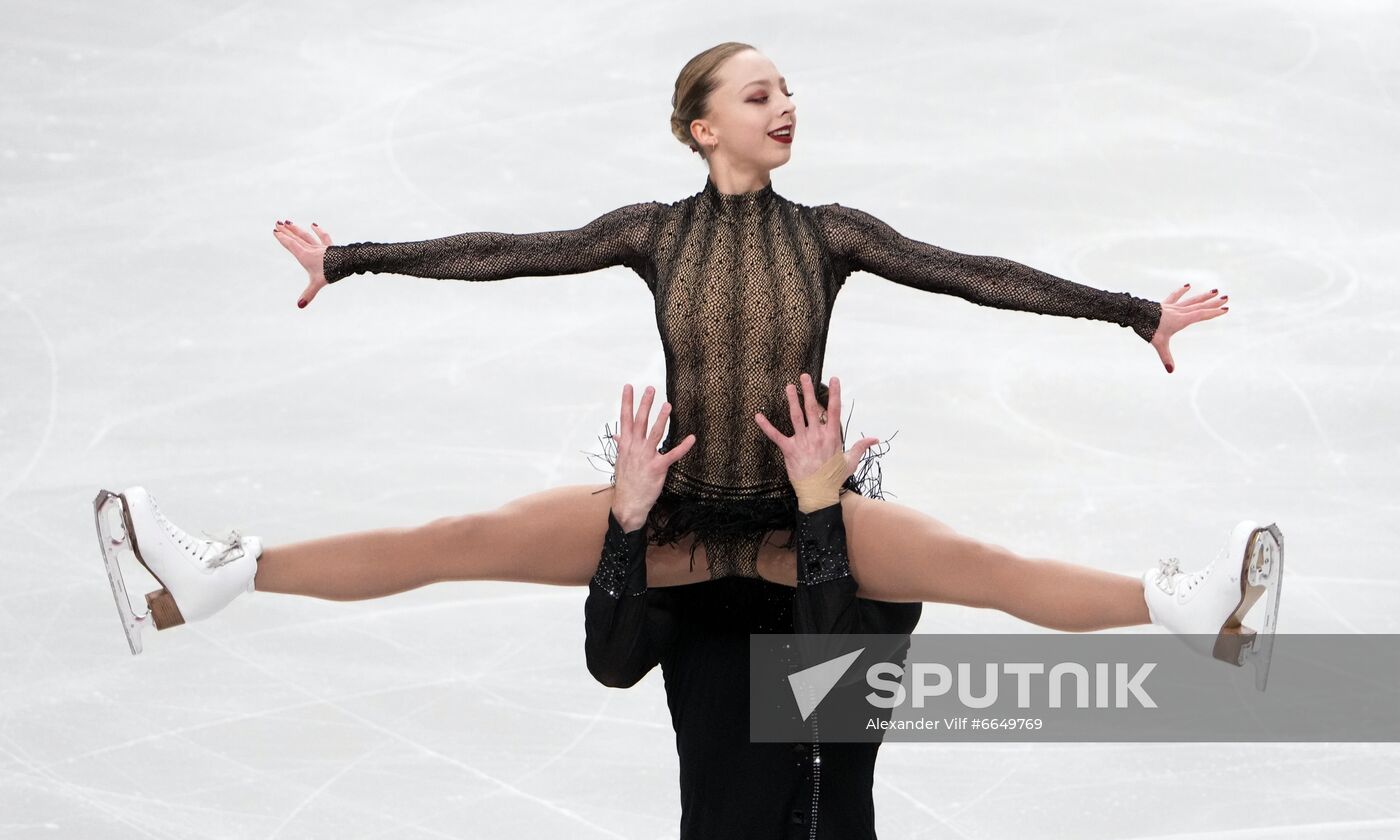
x=618, y=237
x=861, y=242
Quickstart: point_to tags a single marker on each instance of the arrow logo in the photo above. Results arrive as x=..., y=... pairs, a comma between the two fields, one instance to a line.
x=811, y=685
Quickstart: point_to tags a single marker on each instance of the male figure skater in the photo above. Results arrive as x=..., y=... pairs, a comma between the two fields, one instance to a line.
x=732, y=788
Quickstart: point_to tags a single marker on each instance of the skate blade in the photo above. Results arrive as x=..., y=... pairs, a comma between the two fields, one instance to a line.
x=1261, y=576
x=115, y=532
x=112, y=537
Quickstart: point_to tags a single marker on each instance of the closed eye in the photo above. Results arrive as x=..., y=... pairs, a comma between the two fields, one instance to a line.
x=764, y=98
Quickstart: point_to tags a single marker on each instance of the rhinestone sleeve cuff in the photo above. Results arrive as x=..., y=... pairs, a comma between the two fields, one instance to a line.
x=821, y=546
x=622, y=567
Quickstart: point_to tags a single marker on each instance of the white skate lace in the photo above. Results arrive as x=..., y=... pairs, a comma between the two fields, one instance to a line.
x=229, y=548
x=1172, y=578
x=230, y=552
x=1166, y=581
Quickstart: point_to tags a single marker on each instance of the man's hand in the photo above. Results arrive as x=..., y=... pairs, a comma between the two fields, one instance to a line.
x=809, y=453
x=640, y=471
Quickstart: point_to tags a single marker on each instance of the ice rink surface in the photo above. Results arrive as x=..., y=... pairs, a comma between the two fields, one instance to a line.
x=149, y=334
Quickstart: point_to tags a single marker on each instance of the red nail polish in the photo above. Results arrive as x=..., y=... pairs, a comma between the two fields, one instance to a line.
x=1169, y=368
x=301, y=304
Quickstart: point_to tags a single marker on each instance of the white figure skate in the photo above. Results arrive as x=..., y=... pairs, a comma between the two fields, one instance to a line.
x=1214, y=601
x=198, y=577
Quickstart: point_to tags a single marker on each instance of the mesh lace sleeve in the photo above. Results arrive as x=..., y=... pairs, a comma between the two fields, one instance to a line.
x=618, y=237
x=861, y=242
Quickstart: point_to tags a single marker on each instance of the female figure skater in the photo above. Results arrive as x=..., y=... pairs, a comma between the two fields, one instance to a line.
x=744, y=281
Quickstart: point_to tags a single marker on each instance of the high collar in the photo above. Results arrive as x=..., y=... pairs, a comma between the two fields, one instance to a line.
x=736, y=204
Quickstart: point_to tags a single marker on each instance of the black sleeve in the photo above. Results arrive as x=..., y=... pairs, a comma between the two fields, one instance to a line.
x=619, y=237
x=860, y=242
x=825, y=600
x=627, y=626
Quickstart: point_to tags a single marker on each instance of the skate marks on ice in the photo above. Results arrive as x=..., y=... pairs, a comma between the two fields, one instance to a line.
x=25, y=347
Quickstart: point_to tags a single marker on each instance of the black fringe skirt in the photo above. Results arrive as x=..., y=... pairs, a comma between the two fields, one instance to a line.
x=733, y=526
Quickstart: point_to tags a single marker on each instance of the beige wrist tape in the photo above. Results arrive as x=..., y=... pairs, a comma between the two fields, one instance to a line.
x=823, y=487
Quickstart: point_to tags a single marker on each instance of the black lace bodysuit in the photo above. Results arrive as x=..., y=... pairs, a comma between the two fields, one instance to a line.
x=744, y=286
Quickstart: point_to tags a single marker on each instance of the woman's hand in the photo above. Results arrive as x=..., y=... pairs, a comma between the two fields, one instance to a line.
x=1177, y=314
x=640, y=470
x=310, y=252
x=817, y=437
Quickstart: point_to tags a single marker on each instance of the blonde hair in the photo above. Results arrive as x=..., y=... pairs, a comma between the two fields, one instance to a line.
x=697, y=80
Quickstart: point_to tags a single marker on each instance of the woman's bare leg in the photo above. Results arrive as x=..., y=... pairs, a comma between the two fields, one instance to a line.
x=899, y=554
x=551, y=537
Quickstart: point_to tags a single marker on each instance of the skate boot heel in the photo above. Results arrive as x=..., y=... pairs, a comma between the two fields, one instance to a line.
x=1235, y=638
x=1232, y=644
x=164, y=612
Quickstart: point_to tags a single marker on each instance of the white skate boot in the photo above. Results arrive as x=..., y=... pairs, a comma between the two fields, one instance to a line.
x=198, y=577
x=1213, y=602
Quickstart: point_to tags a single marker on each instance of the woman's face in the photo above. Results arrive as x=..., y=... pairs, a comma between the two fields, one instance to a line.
x=750, y=101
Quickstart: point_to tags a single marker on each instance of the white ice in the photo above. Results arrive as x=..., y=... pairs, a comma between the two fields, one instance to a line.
x=149, y=334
